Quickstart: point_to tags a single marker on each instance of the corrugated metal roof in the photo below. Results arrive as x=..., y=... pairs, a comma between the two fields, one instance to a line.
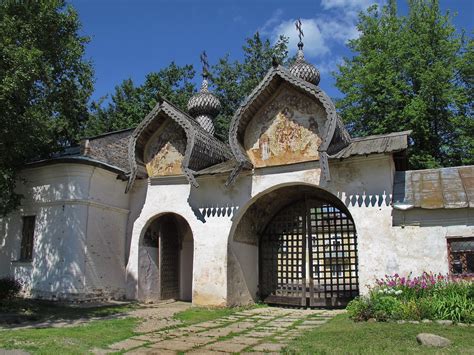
x=383, y=143
x=434, y=188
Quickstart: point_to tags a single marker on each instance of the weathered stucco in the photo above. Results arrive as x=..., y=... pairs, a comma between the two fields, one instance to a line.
x=286, y=130
x=79, y=233
x=164, y=153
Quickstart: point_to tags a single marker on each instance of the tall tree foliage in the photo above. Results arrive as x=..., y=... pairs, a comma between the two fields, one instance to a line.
x=412, y=72
x=130, y=103
x=232, y=81
x=44, y=85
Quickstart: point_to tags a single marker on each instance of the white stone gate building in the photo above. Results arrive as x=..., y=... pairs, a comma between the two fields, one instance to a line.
x=292, y=210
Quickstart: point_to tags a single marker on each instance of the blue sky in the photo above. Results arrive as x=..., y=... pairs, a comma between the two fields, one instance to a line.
x=132, y=38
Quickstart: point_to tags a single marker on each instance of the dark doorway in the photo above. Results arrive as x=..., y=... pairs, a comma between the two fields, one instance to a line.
x=308, y=256
x=168, y=245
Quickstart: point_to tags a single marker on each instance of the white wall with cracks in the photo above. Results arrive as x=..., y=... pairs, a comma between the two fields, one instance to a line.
x=88, y=234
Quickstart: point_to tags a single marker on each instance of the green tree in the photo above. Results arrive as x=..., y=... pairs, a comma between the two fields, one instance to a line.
x=45, y=84
x=130, y=104
x=411, y=72
x=232, y=81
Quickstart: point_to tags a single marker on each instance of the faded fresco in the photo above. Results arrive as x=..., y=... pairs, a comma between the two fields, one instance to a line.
x=165, y=151
x=286, y=130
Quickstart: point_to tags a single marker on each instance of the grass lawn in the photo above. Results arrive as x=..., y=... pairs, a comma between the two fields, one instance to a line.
x=66, y=340
x=21, y=310
x=69, y=340
x=342, y=336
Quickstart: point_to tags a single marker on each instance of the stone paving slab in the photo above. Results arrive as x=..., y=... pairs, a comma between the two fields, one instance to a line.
x=260, y=334
x=227, y=346
x=173, y=344
x=259, y=330
x=127, y=344
x=147, y=351
x=244, y=339
x=269, y=347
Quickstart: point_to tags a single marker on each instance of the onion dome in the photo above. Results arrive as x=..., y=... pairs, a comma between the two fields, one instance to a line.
x=301, y=68
x=204, y=106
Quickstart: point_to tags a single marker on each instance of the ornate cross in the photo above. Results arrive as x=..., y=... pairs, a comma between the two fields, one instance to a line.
x=205, y=64
x=300, y=33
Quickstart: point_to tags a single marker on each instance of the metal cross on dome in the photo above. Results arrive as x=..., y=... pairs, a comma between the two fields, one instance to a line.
x=205, y=64
x=300, y=33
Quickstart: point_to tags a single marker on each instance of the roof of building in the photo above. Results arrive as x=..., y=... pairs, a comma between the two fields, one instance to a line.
x=335, y=136
x=382, y=143
x=110, y=148
x=377, y=144
x=202, y=148
x=434, y=188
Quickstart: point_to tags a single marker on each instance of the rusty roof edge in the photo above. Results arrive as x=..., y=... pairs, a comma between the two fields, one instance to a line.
x=379, y=136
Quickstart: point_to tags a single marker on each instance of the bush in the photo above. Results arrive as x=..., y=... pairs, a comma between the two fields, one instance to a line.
x=359, y=309
x=9, y=288
x=428, y=296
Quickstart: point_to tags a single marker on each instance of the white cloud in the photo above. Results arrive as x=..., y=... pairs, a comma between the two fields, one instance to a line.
x=314, y=41
x=352, y=4
x=328, y=66
x=331, y=28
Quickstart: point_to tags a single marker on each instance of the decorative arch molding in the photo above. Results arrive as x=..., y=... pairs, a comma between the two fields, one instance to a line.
x=202, y=149
x=334, y=136
x=275, y=198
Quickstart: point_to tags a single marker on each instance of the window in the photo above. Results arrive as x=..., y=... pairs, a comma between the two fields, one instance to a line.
x=461, y=256
x=27, y=238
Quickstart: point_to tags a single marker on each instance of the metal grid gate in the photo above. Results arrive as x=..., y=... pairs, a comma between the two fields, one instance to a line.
x=308, y=256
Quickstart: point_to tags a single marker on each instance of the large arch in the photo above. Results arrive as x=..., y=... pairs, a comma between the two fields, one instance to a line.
x=165, y=259
x=309, y=203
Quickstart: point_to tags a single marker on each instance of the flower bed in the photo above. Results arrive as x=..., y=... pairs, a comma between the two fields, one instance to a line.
x=429, y=296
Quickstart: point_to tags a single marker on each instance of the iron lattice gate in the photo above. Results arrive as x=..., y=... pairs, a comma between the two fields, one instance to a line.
x=308, y=256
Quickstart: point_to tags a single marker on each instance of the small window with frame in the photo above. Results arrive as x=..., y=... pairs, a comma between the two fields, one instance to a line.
x=27, y=238
x=461, y=256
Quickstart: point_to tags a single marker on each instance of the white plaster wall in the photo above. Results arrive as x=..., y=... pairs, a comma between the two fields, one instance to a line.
x=106, y=235
x=208, y=211
x=73, y=217
x=364, y=185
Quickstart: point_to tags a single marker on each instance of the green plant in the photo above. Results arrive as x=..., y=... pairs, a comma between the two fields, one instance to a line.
x=9, y=288
x=386, y=307
x=428, y=296
x=359, y=309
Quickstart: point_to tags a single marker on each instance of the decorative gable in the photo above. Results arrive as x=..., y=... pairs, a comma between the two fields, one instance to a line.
x=169, y=142
x=286, y=130
x=164, y=153
x=283, y=121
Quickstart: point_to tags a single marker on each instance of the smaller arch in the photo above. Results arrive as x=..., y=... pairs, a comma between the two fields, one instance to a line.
x=165, y=261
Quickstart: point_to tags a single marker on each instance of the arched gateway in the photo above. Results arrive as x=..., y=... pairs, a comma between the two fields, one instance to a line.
x=308, y=256
x=166, y=259
x=294, y=244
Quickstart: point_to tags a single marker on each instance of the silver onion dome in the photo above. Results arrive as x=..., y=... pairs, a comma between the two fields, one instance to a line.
x=204, y=106
x=304, y=70
x=301, y=68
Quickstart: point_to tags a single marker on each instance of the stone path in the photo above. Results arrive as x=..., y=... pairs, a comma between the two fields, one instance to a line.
x=266, y=330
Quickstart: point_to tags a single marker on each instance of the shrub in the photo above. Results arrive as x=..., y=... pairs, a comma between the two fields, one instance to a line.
x=386, y=307
x=429, y=296
x=359, y=309
x=9, y=288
